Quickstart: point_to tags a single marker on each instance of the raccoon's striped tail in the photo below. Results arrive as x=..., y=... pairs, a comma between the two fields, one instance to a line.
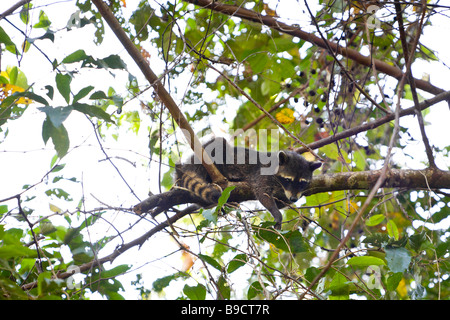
x=208, y=192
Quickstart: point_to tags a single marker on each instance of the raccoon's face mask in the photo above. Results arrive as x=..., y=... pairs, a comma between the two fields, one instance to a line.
x=294, y=173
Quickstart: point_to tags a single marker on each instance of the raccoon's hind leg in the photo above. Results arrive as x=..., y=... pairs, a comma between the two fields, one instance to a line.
x=208, y=192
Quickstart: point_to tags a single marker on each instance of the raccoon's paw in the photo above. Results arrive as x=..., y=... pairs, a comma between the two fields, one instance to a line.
x=277, y=225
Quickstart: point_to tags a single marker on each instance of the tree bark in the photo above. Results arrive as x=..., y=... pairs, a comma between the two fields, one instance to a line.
x=430, y=179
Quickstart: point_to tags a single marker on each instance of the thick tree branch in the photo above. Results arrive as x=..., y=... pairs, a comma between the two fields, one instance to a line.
x=431, y=178
x=165, y=97
x=406, y=179
x=352, y=54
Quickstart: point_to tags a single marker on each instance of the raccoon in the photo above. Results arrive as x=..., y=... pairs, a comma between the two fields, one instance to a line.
x=276, y=178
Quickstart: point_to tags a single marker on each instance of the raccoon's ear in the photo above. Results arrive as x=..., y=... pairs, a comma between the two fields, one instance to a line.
x=282, y=158
x=315, y=165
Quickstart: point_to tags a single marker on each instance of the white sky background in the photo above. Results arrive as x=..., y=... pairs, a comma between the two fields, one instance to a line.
x=24, y=159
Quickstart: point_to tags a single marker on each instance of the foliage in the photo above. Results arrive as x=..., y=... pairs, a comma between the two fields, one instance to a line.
x=210, y=61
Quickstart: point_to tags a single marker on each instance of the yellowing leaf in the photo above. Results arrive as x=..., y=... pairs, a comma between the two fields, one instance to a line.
x=309, y=156
x=285, y=116
x=401, y=289
x=351, y=206
x=186, y=258
x=374, y=220
x=7, y=89
x=54, y=208
x=269, y=11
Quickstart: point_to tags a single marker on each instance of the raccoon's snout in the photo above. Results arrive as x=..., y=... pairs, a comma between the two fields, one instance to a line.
x=292, y=197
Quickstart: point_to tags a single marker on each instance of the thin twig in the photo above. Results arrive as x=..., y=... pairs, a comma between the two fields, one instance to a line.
x=376, y=123
x=409, y=57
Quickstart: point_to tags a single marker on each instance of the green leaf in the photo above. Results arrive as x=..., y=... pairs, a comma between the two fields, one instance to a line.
x=393, y=281
x=398, y=259
x=377, y=239
x=4, y=38
x=16, y=251
x=441, y=250
x=50, y=92
x=82, y=93
x=76, y=56
x=440, y=215
x=114, y=272
x=222, y=200
x=13, y=75
x=57, y=115
x=44, y=22
x=225, y=195
x=3, y=210
x=224, y=288
x=92, y=111
x=283, y=43
x=392, y=229
x=374, y=220
x=60, y=137
x=291, y=241
x=210, y=261
x=195, y=293
x=258, y=62
x=63, y=84
x=113, y=61
x=98, y=95
x=311, y=273
x=161, y=283
x=255, y=289
x=12, y=290
x=238, y=261
x=339, y=286
x=32, y=96
x=25, y=13
x=46, y=227
x=46, y=284
x=296, y=242
x=210, y=215
x=365, y=261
